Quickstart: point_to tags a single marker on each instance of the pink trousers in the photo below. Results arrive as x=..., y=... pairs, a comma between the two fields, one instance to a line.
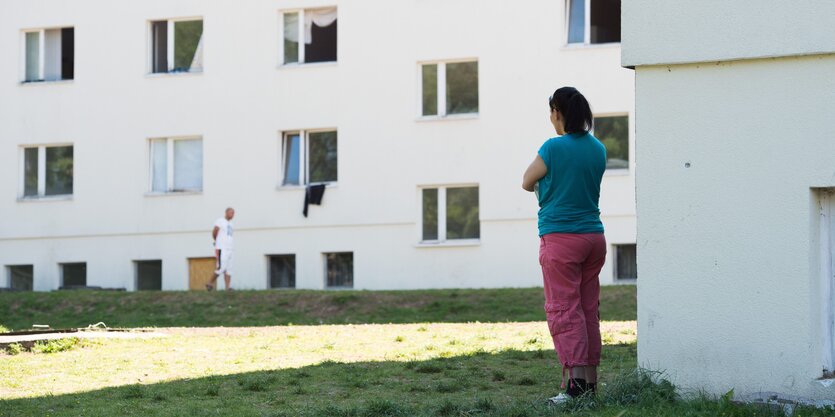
x=571, y=266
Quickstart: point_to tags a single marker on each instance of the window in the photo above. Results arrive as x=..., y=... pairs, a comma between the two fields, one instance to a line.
x=449, y=213
x=614, y=133
x=823, y=254
x=309, y=158
x=282, y=271
x=626, y=262
x=148, y=275
x=339, y=270
x=449, y=88
x=176, y=165
x=601, y=25
x=47, y=171
x=313, y=41
x=74, y=274
x=49, y=54
x=177, y=45
x=20, y=277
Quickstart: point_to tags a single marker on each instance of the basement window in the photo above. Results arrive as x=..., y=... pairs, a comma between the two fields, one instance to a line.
x=339, y=270
x=282, y=271
x=593, y=21
x=449, y=88
x=49, y=55
x=148, y=275
x=450, y=214
x=21, y=277
x=176, y=165
x=309, y=157
x=613, y=131
x=309, y=36
x=47, y=171
x=626, y=261
x=74, y=274
x=177, y=45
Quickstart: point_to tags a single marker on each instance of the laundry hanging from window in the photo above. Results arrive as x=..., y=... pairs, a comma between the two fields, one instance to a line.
x=313, y=195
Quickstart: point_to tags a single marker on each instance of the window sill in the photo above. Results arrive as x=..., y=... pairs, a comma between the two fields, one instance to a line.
x=44, y=82
x=462, y=243
x=465, y=116
x=41, y=199
x=618, y=172
x=173, y=74
x=307, y=65
x=626, y=281
x=171, y=193
x=328, y=185
x=590, y=46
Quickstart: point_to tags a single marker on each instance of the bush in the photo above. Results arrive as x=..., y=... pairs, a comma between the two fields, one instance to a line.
x=55, y=346
x=14, y=349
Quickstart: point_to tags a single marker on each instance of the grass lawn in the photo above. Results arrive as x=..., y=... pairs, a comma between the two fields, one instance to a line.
x=503, y=365
x=64, y=309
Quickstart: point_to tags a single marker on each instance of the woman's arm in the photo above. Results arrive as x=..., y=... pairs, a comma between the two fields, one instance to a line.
x=534, y=173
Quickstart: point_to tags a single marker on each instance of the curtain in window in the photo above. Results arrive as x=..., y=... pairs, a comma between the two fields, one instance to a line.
x=188, y=164
x=197, y=62
x=52, y=55
x=318, y=17
x=159, y=165
x=577, y=21
x=291, y=38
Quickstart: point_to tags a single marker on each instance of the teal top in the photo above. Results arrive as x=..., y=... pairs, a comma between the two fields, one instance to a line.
x=569, y=193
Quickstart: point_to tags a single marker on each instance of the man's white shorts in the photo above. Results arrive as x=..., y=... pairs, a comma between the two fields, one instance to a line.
x=225, y=262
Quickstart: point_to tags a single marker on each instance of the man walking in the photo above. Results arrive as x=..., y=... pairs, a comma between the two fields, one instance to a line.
x=224, y=248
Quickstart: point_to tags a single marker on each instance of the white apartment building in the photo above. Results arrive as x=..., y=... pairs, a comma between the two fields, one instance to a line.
x=736, y=194
x=126, y=129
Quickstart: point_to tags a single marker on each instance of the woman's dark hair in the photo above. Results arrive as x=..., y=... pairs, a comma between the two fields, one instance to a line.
x=574, y=108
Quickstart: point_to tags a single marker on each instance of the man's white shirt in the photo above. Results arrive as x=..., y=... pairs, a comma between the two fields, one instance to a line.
x=224, y=240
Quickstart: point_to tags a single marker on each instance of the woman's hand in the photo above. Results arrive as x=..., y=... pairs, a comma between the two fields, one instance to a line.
x=534, y=173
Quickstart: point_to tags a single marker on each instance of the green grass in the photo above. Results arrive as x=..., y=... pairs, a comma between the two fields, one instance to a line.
x=433, y=365
x=64, y=309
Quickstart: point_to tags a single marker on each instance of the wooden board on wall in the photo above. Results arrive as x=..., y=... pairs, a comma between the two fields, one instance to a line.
x=200, y=272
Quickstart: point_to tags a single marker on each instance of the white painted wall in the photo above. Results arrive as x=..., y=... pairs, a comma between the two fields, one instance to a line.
x=240, y=105
x=732, y=291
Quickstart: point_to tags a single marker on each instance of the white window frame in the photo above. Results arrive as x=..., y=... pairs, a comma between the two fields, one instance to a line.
x=586, y=28
x=170, y=45
x=304, y=163
x=41, y=56
x=441, y=93
x=442, y=217
x=169, y=167
x=302, y=40
x=619, y=171
x=41, y=173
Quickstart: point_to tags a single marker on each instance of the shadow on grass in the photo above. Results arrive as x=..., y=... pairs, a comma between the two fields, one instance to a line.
x=66, y=309
x=507, y=383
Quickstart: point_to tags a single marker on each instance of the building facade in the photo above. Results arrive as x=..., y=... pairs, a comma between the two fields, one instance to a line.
x=126, y=129
x=735, y=193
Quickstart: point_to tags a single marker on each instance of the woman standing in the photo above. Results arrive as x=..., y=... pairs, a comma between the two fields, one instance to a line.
x=566, y=176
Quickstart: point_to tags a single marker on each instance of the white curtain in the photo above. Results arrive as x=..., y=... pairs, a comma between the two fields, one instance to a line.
x=188, y=164
x=52, y=55
x=197, y=61
x=319, y=17
x=159, y=162
x=291, y=27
